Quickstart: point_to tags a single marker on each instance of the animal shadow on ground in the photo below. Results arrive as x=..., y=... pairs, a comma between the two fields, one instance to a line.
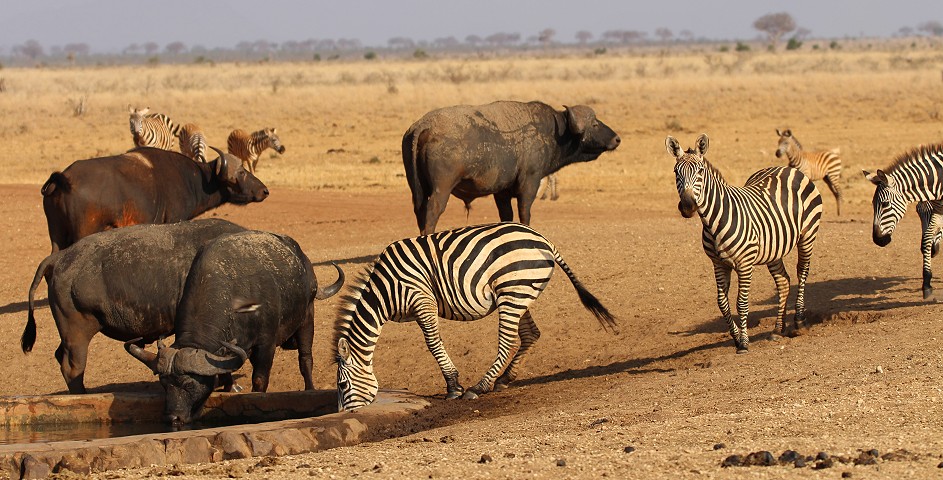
x=856, y=299
x=17, y=307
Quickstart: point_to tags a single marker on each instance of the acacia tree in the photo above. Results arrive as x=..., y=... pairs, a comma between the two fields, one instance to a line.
x=931, y=27
x=775, y=25
x=663, y=34
x=584, y=36
x=31, y=49
x=545, y=37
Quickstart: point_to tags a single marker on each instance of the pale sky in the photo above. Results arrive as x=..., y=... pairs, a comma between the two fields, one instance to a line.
x=111, y=25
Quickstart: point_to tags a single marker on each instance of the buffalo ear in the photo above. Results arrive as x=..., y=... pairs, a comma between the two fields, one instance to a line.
x=577, y=118
x=343, y=349
x=702, y=143
x=673, y=147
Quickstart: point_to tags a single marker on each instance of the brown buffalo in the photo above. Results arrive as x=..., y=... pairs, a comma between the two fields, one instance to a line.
x=144, y=185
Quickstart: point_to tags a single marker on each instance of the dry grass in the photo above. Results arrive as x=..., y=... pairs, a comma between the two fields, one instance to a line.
x=342, y=122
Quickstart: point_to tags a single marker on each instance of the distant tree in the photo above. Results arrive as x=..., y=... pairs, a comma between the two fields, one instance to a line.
x=623, y=36
x=77, y=49
x=446, y=42
x=545, y=37
x=150, y=48
x=348, y=43
x=905, y=31
x=663, y=34
x=397, y=43
x=931, y=27
x=775, y=25
x=686, y=35
x=132, y=49
x=473, y=40
x=584, y=36
x=175, y=48
x=31, y=49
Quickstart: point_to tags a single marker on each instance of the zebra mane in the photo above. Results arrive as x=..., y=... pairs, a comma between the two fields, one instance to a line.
x=712, y=168
x=916, y=154
x=348, y=306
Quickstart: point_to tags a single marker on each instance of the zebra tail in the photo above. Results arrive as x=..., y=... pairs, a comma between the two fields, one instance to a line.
x=29, y=333
x=57, y=181
x=589, y=301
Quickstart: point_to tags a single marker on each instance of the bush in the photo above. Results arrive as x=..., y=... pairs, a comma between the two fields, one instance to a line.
x=317, y=57
x=742, y=47
x=370, y=55
x=599, y=51
x=723, y=48
x=793, y=44
x=420, y=53
x=834, y=45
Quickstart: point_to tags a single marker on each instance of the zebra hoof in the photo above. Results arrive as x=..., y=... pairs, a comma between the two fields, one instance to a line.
x=500, y=387
x=453, y=395
x=741, y=351
x=927, y=293
x=469, y=395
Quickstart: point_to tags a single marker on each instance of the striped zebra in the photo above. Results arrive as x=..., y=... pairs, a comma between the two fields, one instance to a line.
x=152, y=129
x=758, y=224
x=464, y=275
x=820, y=165
x=192, y=142
x=914, y=176
x=548, y=184
x=248, y=146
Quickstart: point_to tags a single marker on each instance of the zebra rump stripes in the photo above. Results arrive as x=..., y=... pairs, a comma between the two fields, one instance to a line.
x=915, y=176
x=758, y=224
x=192, y=142
x=462, y=274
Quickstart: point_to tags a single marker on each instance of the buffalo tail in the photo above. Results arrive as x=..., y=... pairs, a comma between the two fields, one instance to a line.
x=57, y=181
x=29, y=333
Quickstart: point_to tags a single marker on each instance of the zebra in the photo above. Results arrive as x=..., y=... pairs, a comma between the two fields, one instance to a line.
x=463, y=274
x=777, y=209
x=548, y=184
x=820, y=165
x=248, y=146
x=914, y=176
x=152, y=129
x=192, y=142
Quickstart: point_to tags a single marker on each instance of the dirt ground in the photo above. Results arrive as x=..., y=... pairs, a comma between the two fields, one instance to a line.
x=654, y=400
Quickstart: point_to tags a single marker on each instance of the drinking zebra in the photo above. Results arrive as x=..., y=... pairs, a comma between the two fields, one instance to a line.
x=758, y=224
x=152, y=129
x=462, y=274
x=914, y=176
x=820, y=165
x=248, y=146
x=192, y=142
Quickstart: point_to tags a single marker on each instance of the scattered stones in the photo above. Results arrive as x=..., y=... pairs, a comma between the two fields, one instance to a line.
x=628, y=449
x=799, y=463
x=869, y=457
x=509, y=455
x=732, y=461
x=879, y=369
x=761, y=459
x=447, y=439
x=598, y=422
x=485, y=458
x=823, y=464
x=720, y=446
x=789, y=456
x=561, y=462
x=821, y=456
x=845, y=474
x=939, y=465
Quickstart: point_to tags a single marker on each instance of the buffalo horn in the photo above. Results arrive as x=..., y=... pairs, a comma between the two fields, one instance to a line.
x=200, y=362
x=221, y=161
x=147, y=358
x=330, y=290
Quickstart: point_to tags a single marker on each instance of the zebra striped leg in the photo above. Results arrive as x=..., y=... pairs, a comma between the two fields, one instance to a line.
x=744, y=280
x=552, y=185
x=429, y=323
x=832, y=183
x=528, y=333
x=722, y=277
x=806, y=241
x=781, y=277
x=509, y=317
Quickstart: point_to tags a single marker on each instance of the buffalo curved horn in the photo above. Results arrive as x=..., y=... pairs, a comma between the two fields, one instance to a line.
x=200, y=362
x=330, y=290
x=147, y=358
x=221, y=161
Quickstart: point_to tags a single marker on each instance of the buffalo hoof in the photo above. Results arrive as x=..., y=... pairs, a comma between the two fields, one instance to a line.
x=469, y=395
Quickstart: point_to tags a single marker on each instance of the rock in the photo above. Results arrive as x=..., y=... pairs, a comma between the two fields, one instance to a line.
x=939, y=465
x=598, y=422
x=822, y=456
x=879, y=369
x=732, y=461
x=628, y=449
x=233, y=445
x=485, y=458
x=845, y=474
x=35, y=468
x=719, y=446
x=761, y=459
x=799, y=463
x=789, y=456
x=867, y=458
x=447, y=439
x=561, y=462
x=822, y=464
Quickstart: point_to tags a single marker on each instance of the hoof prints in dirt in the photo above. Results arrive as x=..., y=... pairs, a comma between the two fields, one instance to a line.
x=820, y=461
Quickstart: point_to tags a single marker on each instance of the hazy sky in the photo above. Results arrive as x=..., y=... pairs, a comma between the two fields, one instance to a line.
x=111, y=25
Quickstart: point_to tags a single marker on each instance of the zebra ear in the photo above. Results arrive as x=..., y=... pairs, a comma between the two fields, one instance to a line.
x=878, y=178
x=343, y=349
x=674, y=148
x=787, y=133
x=778, y=132
x=702, y=143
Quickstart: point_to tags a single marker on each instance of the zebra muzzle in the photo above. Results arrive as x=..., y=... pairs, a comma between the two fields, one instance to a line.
x=688, y=205
x=880, y=239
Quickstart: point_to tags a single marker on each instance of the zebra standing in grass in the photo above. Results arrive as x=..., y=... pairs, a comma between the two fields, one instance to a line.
x=758, y=224
x=192, y=142
x=915, y=176
x=462, y=274
x=821, y=165
x=152, y=129
x=248, y=146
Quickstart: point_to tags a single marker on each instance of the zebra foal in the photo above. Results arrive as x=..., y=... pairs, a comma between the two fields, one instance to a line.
x=820, y=165
x=192, y=142
x=464, y=275
x=776, y=210
x=152, y=129
x=248, y=146
x=914, y=176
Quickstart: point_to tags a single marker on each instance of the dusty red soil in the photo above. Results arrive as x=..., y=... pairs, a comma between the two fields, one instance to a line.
x=866, y=375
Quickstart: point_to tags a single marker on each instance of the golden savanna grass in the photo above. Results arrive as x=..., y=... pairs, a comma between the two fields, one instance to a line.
x=342, y=122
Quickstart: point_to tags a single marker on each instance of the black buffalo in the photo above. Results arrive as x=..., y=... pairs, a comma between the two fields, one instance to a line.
x=144, y=185
x=246, y=294
x=125, y=283
x=501, y=149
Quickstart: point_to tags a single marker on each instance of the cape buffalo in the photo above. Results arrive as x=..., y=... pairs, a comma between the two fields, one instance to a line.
x=246, y=294
x=125, y=283
x=144, y=185
x=501, y=149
